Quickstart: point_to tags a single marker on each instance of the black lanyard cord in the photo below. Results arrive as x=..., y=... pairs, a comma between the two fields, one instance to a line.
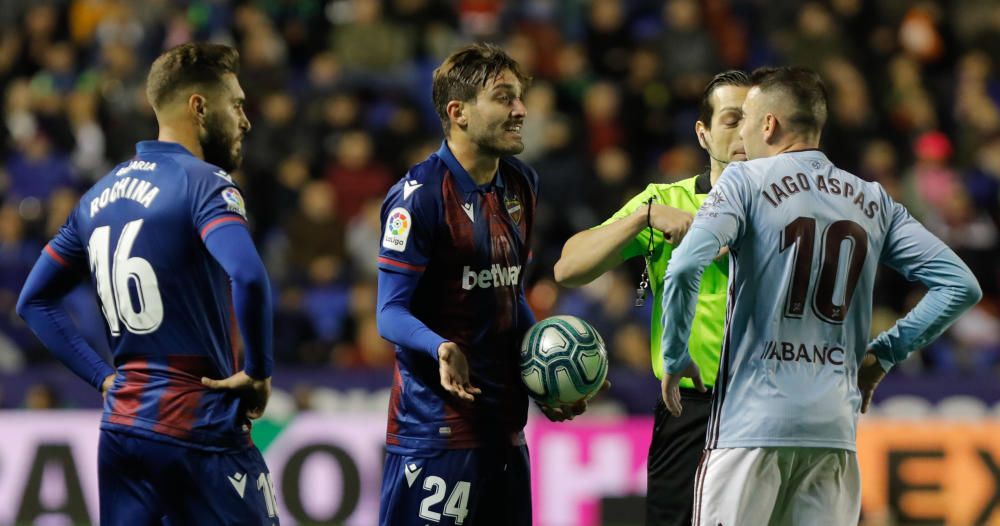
x=640, y=293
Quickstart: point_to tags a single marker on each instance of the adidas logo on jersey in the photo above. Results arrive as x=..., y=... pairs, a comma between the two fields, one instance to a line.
x=496, y=276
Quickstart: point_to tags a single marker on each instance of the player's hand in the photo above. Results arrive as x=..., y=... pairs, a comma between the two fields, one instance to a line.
x=454, y=370
x=723, y=252
x=673, y=222
x=570, y=411
x=254, y=393
x=870, y=373
x=671, y=390
x=109, y=381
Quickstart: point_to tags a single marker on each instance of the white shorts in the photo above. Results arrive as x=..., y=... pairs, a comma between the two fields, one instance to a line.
x=777, y=486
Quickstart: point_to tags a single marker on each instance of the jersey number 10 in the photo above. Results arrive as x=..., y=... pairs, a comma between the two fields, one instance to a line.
x=117, y=277
x=832, y=297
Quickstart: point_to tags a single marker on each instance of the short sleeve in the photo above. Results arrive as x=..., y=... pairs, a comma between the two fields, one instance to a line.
x=215, y=201
x=724, y=212
x=409, y=217
x=66, y=248
x=637, y=246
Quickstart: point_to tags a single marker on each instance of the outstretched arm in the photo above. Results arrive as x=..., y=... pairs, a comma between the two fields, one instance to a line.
x=593, y=252
x=590, y=253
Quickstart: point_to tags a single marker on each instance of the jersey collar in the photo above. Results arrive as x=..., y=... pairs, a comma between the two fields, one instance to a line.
x=161, y=147
x=465, y=182
x=815, y=152
x=703, y=183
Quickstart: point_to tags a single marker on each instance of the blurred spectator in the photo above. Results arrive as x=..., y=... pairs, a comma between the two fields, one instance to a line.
x=338, y=95
x=601, y=105
x=40, y=397
x=315, y=231
x=645, y=106
x=36, y=170
x=816, y=37
x=686, y=49
x=630, y=347
x=852, y=120
x=911, y=109
x=89, y=155
x=355, y=173
x=366, y=43
x=364, y=233
x=608, y=38
x=931, y=182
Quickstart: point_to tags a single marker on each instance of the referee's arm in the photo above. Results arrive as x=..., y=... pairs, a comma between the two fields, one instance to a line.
x=590, y=253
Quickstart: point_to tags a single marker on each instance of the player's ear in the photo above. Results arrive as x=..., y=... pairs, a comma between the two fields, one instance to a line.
x=700, y=130
x=196, y=104
x=770, y=128
x=456, y=110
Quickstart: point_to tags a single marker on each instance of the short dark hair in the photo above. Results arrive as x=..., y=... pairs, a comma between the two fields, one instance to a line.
x=804, y=91
x=468, y=70
x=196, y=64
x=733, y=77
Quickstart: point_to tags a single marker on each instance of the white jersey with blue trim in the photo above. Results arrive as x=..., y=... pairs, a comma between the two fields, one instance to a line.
x=805, y=240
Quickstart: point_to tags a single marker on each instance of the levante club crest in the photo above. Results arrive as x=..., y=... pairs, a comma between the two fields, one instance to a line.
x=514, y=208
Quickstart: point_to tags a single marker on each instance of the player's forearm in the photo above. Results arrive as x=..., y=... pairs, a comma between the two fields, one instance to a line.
x=395, y=321
x=680, y=294
x=400, y=327
x=953, y=290
x=233, y=248
x=39, y=306
x=590, y=253
x=252, y=306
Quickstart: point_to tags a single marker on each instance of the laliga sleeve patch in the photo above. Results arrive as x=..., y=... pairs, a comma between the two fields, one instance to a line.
x=397, y=229
x=234, y=201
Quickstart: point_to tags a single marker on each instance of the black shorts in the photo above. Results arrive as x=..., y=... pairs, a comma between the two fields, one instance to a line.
x=674, y=455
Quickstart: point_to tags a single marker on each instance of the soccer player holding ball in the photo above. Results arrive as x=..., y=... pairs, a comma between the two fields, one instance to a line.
x=455, y=236
x=651, y=225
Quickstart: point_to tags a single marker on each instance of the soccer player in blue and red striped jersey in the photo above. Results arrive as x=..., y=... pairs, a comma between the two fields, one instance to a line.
x=165, y=240
x=455, y=243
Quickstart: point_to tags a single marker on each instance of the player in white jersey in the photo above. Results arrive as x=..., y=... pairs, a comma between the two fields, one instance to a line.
x=805, y=240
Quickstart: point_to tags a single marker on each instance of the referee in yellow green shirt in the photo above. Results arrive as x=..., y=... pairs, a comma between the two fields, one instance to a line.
x=650, y=225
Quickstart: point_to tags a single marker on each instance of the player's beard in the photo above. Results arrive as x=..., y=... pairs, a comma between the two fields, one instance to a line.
x=497, y=143
x=219, y=147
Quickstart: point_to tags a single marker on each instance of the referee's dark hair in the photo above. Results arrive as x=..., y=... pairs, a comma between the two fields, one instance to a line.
x=733, y=77
x=803, y=89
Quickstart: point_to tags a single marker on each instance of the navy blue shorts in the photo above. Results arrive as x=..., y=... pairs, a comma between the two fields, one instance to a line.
x=147, y=482
x=474, y=487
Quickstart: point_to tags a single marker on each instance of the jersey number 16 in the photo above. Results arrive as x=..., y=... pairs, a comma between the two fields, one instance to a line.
x=117, y=277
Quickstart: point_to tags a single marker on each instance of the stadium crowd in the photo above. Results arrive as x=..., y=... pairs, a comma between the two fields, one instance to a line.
x=339, y=98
